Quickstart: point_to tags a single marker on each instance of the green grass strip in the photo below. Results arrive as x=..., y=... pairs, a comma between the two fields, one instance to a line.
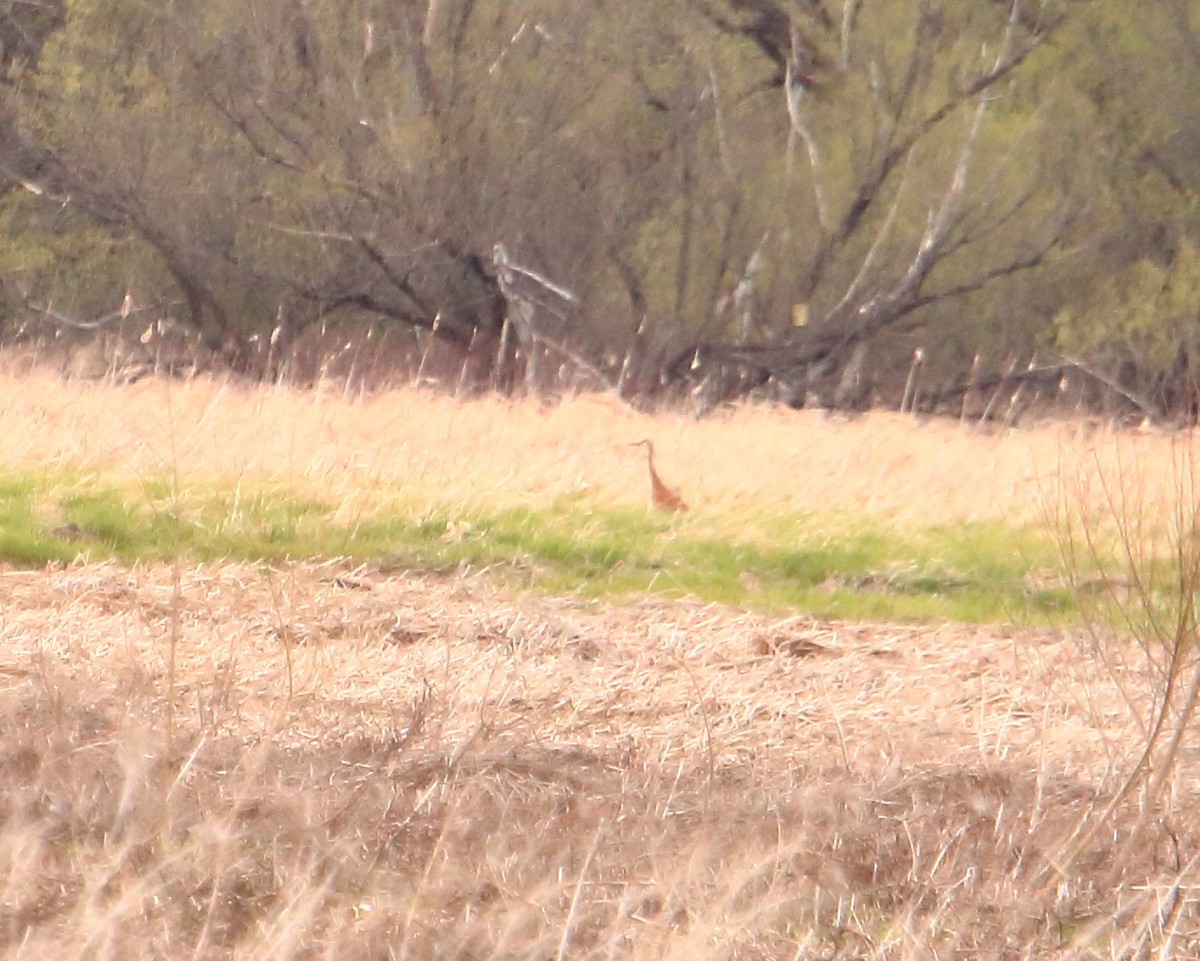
x=845, y=567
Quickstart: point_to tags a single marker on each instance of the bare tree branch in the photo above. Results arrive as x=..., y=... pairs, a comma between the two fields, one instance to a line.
x=794, y=92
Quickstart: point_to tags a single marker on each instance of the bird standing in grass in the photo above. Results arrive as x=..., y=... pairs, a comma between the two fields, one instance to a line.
x=661, y=496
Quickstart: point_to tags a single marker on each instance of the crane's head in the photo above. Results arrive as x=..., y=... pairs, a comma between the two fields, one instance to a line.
x=644, y=442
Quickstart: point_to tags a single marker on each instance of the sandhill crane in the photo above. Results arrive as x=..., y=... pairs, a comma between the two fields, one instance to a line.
x=661, y=496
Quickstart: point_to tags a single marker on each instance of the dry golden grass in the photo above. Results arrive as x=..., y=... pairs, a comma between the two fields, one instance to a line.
x=491, y=451
x=369, y=766
x=229, y=761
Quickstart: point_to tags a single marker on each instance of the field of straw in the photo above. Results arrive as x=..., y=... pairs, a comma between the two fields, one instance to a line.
x=336, y=760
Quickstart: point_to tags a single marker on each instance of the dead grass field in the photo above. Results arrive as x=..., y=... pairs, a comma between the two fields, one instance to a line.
x=366, y=765
x=326, y=761
x=490, y=451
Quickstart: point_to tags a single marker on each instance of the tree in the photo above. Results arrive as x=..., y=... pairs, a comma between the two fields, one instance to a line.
x=735, y=191
x=910, y=167
x=1137, y=314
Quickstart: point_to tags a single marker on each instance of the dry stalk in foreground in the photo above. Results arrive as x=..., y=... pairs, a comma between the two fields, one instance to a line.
x=1131, y=548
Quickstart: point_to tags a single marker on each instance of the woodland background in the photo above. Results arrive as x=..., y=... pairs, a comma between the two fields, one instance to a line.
x=809, y=200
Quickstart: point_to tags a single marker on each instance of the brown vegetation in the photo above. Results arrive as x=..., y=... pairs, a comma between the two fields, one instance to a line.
x=372, y=765
x=236, y=761
x=349, y=448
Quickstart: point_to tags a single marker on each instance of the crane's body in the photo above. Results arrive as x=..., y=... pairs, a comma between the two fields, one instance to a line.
x=661, y=496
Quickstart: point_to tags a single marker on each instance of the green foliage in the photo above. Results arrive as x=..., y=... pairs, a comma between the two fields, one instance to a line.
x=1135, y=74
x=1148, y=311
